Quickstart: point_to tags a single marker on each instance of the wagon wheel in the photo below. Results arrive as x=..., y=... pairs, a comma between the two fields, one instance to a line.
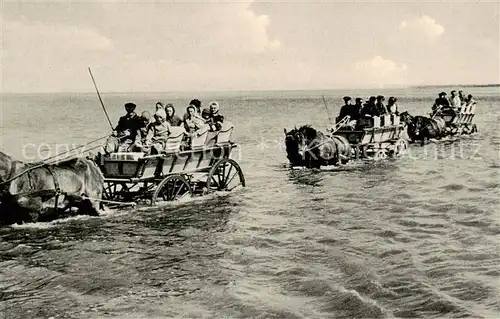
x=225, y=175
x=400, y=148
x=115, y=191
x=380, y=155
x=172, y=188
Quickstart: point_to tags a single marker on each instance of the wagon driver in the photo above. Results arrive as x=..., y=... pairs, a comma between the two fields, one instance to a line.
x=125, y=132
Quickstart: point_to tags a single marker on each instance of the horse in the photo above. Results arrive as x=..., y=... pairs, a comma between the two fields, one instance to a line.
x=30, y=192
x=421, y=128
x=308, y=147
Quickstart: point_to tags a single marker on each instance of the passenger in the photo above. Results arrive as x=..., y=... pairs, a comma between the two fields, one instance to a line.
x=461, y=96
x=345, y=109
x=441, y=102
x=356, y=113
x=215, y=119
x=369, y=108
x=380, y=107
x=159, y=106
x=125, y=132
x=469, y=101
x=392, y=106
x=455, y=100
x=193, y=121
x=141, y=140
x=161, y=131
x=172, y=119
x=205, y=115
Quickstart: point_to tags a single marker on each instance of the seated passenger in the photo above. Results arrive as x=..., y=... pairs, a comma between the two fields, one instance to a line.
x=380, y=107
x=440, y=103
x=215, y=119
x=392, y=106
x=369, y=108
x=469, y=101
x=172, y=119
x=345, y=109
x=461, y=96
x=125, y=132
x=141, y=140
x=197, y=104
x=193, y=121
x=159, y=106
x=356, y=110
x=161, y=131
x=455, y=100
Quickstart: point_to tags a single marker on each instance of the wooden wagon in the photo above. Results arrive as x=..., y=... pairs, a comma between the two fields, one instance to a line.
x=458, y=122
x=174, y=174
x=382, y=138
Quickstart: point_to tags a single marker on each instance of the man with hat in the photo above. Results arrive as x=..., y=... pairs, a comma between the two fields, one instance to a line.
x=125, y=132
x=441, y=102
x=345, y=109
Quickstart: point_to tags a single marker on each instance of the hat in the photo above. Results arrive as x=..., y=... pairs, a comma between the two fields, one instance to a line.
x=169, y=105
x=359, y=99
x=161, y=113
x=380, y=97
x=191, y=106
x=130, y=104
x=392, y=99
x=442, y=93
x=347, y=98
x=214, y=103
x=196, y=103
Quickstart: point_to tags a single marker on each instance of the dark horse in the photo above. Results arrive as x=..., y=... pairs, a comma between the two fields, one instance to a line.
x=28, y=191
x=421, y=128
x=308, y=147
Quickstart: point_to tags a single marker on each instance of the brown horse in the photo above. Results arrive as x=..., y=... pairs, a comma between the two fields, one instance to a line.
x=308, y=147
x=421, y=128
x=31, y=192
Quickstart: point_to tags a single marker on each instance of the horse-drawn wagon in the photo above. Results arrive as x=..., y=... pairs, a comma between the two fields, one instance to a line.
x=457, y=122
x=371, y=139
x=206, y=166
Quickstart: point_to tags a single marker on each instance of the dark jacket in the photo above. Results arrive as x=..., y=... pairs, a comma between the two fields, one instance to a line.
x=380, y=109
x=215, y=121
x=130, y=122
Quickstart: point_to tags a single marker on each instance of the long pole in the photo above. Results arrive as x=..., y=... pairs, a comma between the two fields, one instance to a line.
x=100, y=99
x=327, y=112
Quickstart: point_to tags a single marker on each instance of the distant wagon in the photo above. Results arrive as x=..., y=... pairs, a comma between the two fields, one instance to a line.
x=206, y=166
x=458, y=122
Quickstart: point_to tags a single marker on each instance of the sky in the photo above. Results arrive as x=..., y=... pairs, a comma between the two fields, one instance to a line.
x=224, y=46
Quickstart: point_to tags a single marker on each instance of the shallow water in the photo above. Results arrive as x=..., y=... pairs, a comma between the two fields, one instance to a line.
x=416, y=237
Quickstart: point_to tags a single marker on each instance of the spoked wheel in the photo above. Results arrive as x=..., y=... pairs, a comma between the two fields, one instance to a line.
x=172, y=188
x=379, y=155
x=400, y=148
x=115, y=191
x=225, y=175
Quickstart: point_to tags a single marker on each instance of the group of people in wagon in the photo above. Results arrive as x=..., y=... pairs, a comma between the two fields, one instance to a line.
x=454, y=104
x=143, y=133
x=360, y=113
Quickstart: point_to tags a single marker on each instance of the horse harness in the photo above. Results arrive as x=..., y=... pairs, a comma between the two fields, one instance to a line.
x=46, y=193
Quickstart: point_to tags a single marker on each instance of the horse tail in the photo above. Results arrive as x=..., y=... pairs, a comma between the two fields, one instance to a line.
x=343, y=148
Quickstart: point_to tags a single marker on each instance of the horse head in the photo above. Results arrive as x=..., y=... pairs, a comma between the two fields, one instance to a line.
x=294, y=142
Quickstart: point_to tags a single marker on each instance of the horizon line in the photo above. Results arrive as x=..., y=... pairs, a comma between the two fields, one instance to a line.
x=266, y=90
